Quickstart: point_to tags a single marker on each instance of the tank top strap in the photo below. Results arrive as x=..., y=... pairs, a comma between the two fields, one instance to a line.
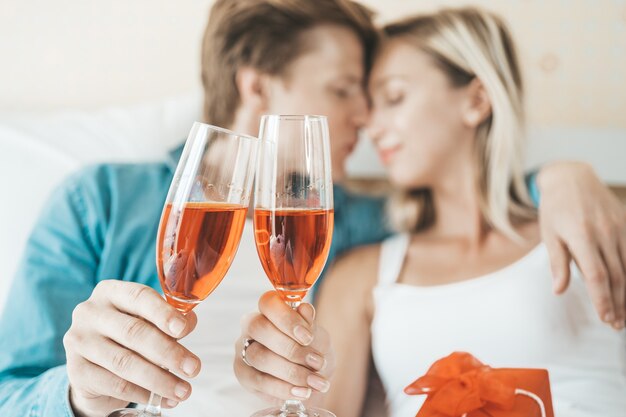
x=392, y=254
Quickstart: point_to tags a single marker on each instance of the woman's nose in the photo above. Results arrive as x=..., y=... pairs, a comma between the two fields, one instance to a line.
x=373, y=127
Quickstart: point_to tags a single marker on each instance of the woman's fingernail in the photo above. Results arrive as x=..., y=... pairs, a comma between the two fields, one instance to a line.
x=309, y=311
x=314, y=361
x=177, y=325
x=609, y=317
x=618, y=325
x=171, y=403
x=190, y=365
x=318, y=383
x=181, y=390
x=303, y=335
x=301, y=392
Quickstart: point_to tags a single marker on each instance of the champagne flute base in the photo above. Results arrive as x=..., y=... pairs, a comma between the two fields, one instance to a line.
x=279, y=412
x=132, y=412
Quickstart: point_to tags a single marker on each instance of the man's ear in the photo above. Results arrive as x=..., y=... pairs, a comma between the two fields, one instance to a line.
x=478, y=104
x=252, y=89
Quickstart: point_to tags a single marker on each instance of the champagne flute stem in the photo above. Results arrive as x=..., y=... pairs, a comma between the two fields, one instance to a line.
x=153, y=408
x=293, y=408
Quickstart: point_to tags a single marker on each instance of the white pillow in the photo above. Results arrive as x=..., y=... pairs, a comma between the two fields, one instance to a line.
x=38, y=150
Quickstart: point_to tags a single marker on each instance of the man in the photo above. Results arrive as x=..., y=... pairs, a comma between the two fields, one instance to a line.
x=84, y=331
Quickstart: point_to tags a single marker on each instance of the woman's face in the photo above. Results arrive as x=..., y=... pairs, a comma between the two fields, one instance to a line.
x=416, y=121
x=327, y=80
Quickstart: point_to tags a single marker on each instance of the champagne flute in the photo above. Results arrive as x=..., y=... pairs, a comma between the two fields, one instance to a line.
x=293, y=214
x=202, y=222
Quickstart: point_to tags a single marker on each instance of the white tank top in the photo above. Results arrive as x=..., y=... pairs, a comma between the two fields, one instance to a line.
x=508, y=318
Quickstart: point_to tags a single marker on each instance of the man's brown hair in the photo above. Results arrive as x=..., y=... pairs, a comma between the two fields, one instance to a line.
x=266, y=35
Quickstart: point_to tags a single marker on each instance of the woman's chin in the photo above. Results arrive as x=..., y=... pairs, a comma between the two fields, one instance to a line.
x=399, y=179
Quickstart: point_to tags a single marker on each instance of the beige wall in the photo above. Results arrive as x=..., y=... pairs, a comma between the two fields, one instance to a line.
x=90, y=53
x=573, y=52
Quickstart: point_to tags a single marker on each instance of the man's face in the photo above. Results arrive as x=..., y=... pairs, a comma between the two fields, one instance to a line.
x=328, y=81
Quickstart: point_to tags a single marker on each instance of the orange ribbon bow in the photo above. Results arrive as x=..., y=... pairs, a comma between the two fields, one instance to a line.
x=460, y=384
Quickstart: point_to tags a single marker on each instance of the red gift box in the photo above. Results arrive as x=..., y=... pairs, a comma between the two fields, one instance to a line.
x=459, y=385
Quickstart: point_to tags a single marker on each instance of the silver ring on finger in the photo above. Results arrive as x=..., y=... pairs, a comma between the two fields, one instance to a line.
x=246, y=344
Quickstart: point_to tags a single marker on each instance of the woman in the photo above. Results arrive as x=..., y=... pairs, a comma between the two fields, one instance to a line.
x=467, y=269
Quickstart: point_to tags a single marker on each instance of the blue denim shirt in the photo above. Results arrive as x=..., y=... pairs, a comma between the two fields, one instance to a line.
x=102, y=224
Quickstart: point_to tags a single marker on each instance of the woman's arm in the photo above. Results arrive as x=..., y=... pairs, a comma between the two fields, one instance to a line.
x=279, y=364
x=345, y=307
x=288, y=355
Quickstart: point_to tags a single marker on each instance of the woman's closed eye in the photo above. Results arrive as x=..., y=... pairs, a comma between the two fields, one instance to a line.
x=387, y=100
x=394, y=98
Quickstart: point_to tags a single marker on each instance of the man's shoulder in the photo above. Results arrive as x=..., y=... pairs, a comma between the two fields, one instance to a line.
x=118, y=179
x=98, y=175
x=102, y=192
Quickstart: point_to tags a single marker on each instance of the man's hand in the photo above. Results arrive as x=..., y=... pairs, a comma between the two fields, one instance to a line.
x=118, y=346
x=581, y=219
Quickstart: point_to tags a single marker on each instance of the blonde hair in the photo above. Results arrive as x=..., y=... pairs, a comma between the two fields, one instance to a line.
x=468, y=43
x=267, y=35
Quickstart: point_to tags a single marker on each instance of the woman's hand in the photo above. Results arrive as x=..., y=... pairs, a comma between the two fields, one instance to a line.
x=118, y=345
x=581, y=219
x=290, y=357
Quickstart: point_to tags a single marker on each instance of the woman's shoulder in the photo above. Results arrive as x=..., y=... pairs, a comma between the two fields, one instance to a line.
x=354, y=271
x=352, y=278
x=363, y=259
